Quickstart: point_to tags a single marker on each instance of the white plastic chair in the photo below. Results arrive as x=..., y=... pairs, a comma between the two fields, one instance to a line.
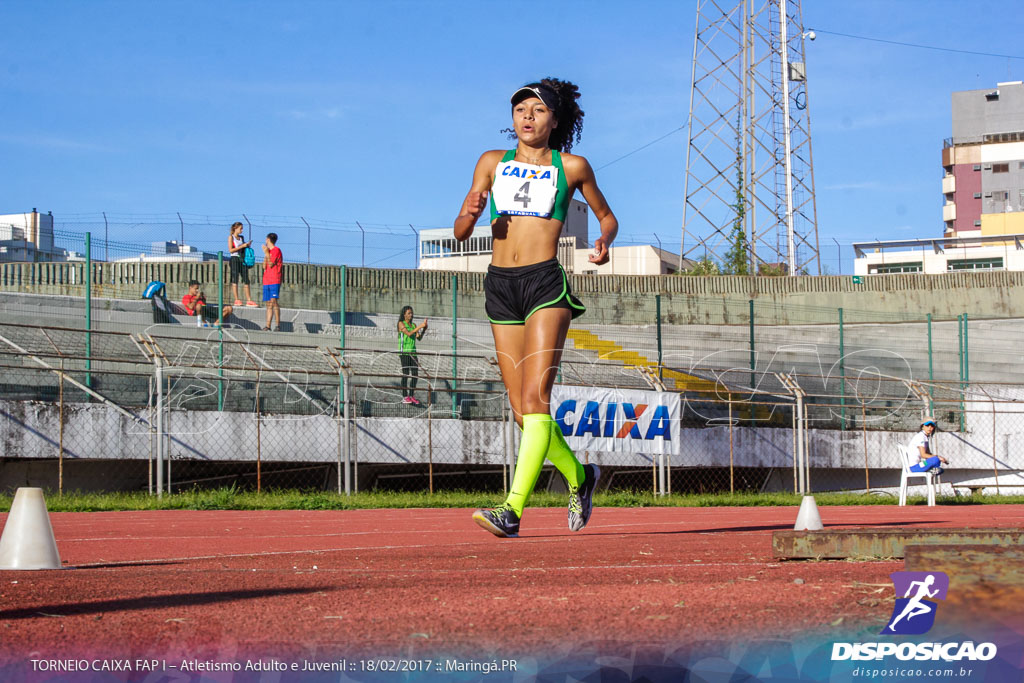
x=931, y=480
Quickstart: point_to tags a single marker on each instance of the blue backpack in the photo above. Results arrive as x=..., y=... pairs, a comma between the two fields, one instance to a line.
x=154, y=289
x=249, y=257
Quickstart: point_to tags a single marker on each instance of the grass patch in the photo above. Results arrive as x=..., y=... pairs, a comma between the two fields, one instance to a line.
x=232, y=499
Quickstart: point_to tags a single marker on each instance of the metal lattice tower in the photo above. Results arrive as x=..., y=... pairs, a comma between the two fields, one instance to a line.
x=741, y=153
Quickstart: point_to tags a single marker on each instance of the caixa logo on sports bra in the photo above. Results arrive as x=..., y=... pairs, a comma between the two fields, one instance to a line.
x=527, y=173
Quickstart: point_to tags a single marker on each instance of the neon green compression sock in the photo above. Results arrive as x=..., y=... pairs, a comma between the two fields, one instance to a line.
x=532, y=449
x=562, y=457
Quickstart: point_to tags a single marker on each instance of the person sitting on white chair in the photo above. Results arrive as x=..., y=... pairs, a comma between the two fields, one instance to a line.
x=920, y=446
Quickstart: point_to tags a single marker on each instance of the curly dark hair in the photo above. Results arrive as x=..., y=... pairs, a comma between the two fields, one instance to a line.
x=568, y=114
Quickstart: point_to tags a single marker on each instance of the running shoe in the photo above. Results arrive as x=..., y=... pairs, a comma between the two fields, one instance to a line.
x=501, y=521
x=251, y=303
x=415, y=401
x=407, y=399
x=238, y=302
x=581, y=500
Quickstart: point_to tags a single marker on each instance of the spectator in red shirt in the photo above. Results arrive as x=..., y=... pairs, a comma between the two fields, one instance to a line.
x=195, y=303
x=272, y=267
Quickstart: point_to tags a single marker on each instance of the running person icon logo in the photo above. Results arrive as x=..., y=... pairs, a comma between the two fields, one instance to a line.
x=914, y=613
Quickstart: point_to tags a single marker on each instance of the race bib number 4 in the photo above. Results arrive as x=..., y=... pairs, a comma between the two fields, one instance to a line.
x=524, y=189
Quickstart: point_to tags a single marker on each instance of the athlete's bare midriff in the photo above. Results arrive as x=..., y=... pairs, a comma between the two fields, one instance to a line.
x=524, y=240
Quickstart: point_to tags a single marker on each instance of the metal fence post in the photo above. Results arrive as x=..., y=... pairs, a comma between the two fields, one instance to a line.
x=931, y=370
x=308, y=239
x=732, y=485
x=455, y=346
x=753, y=363
x=864, y=428
x=259, y=435
x=152, y=421
x=159, y=427
x=960, y=358
x=341, y=312
x=967, y=373
x=430, y=440
x=341, y=341
x=347, y=442
x=842, y=374
x=220, y=331
x=60, y=437
x=753, y=358
x=967, y=351
x=657, y=313
x=88, y=309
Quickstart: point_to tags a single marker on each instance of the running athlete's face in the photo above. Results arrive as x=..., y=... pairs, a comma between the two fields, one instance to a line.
x=533, y=121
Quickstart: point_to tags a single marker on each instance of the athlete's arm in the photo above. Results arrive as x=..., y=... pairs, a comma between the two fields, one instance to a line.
x=476, y=200
x=580, y=168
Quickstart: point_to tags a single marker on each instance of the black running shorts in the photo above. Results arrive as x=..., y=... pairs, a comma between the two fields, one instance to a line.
x=239, y=271
x=514, y=294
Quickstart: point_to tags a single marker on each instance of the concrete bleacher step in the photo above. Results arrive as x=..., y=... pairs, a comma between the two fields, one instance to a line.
x=803, y=349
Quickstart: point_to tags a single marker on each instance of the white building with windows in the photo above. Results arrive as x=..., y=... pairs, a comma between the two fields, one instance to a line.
x=28, y=237
x=982, y=191
x=940, y=255
x=439, y=250
x=171, y=252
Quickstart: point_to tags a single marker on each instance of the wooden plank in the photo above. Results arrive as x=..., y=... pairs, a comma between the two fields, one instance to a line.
x=882, y=542
x=984, y=581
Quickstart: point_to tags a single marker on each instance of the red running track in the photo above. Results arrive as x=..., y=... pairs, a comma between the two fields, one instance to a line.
x=402, y=582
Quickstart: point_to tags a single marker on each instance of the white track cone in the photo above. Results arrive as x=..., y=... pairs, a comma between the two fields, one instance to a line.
x=808, y=518
x=27, y=541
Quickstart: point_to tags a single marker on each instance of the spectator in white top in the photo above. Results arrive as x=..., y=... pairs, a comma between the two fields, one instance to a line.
x=920, y=446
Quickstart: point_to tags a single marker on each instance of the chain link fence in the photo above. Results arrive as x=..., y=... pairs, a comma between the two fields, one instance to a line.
x=100, y=392
x=169, y=409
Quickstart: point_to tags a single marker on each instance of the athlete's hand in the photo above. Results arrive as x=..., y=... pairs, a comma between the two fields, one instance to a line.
x=600, y=255
x=475, y=204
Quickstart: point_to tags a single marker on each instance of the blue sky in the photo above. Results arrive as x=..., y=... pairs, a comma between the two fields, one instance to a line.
x=377, y=111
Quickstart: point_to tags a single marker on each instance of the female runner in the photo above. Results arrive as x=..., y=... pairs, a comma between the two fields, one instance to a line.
x=527, y=293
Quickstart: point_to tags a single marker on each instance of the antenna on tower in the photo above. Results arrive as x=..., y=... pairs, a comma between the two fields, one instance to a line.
x=749, y=170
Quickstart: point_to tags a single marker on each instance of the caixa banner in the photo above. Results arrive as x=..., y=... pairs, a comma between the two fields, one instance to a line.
x=616, y=420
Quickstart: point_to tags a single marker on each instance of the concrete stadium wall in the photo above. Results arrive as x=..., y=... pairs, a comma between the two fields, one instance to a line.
x=610, y=299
